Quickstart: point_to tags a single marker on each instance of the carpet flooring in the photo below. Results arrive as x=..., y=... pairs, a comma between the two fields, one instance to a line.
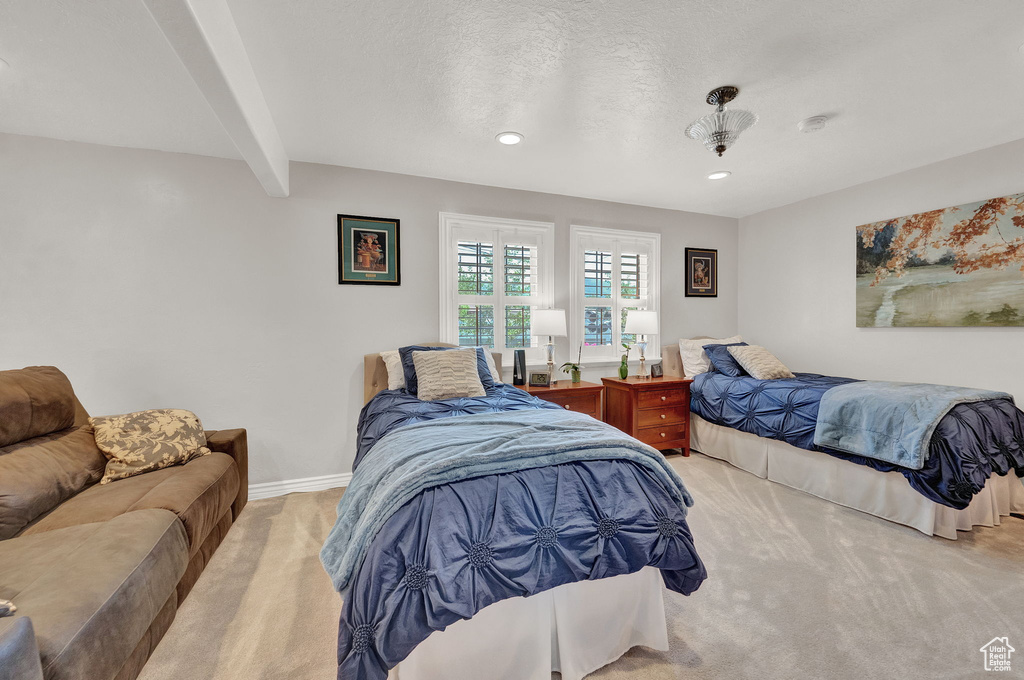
x=797, y=588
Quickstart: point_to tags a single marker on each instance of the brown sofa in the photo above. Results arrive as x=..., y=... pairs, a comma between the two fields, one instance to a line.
x=97, y=572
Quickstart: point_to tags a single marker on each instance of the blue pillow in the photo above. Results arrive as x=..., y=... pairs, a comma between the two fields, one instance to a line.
x=409, y=367
x=724, y=362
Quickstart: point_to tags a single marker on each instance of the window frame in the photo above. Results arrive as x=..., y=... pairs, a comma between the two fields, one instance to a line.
x=500, y=232
x=581, y=239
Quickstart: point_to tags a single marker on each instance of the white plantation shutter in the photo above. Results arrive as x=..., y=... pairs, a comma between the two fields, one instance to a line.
x=494, y=273
x=612, y=271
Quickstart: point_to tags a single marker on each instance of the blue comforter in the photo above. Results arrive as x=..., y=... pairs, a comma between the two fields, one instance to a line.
x=970, y=444
x=457, y=547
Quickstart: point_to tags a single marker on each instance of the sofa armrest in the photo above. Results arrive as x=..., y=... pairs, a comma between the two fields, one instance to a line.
x=19, y=653
x=235, y=444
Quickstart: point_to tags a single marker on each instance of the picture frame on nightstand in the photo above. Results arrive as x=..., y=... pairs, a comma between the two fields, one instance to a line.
x=657, y=370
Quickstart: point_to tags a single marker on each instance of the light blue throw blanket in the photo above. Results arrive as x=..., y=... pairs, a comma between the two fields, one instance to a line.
x=889, y=421
x=423, y=455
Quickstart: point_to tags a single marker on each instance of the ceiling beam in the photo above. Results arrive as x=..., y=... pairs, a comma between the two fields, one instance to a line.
x=204, y=35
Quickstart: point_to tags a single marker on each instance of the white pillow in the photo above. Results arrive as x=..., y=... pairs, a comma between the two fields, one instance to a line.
x=447, y=375
x=495, y=375
x=695, y=359
x=396, y=375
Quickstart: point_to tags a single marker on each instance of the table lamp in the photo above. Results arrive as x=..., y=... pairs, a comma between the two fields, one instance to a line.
x=642, y=322
x=549, y=322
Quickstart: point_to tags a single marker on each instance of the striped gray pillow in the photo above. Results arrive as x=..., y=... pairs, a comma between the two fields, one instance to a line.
x=447, y=375
x=760, y=363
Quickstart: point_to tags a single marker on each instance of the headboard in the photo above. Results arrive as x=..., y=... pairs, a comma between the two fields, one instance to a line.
x=375, y=372
x=672, y=359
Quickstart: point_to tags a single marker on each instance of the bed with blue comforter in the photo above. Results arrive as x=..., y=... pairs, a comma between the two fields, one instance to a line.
x=457, y=504
x=973, y=440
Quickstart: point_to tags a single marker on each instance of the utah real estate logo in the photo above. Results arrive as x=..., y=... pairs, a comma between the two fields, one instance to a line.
x=997, y=654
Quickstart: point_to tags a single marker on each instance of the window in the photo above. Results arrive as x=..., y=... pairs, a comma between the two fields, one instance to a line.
x=494, y=273
x=612, y=271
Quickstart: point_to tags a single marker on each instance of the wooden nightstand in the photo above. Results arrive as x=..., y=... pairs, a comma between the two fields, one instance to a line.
x=582, y=397
x=654, y=410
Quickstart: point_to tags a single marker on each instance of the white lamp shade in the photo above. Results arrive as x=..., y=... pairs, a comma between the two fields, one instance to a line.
x=641, y=322
x=548, y=322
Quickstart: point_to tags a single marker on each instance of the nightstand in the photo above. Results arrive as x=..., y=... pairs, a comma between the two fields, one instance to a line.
x=582, y=397
x=654, y=410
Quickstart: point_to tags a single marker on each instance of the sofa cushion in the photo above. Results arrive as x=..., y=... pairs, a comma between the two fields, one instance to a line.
x=93, y=590
x=140, y=442
x=34, y=401
x=38, y=474
x=199, y=493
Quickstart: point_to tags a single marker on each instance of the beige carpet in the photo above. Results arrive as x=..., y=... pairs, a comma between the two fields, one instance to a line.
x=797, y=588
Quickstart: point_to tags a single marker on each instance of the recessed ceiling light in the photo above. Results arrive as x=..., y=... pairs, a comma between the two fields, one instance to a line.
x=719, y=174
x=509, y=138
x=812, y=124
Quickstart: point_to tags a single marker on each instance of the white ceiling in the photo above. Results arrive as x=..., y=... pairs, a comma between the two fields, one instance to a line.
x=602, y=89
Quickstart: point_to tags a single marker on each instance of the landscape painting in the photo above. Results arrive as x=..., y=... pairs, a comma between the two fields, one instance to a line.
x=958, y=266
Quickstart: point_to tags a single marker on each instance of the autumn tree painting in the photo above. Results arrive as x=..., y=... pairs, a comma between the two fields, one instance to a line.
x=959, y=266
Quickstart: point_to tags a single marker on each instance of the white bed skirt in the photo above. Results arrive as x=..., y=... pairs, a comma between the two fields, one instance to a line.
x=884, y=494
x=574, y=629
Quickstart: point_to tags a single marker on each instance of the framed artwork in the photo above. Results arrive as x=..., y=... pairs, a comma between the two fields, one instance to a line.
x=956, y=266
x=701, y=272
x=657, y=371
x=368, y=251
x=540, y=379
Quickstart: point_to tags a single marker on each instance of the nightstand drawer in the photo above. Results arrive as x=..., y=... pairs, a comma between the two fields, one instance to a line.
x=585, y=403
x=652, y=398
x=660, y=416
x=658, y=436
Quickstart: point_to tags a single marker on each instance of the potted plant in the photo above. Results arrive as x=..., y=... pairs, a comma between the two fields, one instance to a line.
x=624, y=366
x=574, y=368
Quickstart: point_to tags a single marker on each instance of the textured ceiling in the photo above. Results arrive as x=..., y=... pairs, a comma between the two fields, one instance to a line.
x=601, y=89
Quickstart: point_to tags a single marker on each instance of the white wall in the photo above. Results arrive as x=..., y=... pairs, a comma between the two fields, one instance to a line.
x=797, y=271
x=168, y=280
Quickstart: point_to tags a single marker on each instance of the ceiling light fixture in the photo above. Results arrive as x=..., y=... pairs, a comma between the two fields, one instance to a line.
x=812, y=124
x=719, y=174
x=509, y=138
x=719, y=130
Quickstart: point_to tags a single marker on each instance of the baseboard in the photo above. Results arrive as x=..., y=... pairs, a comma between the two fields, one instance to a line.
x=271, y=489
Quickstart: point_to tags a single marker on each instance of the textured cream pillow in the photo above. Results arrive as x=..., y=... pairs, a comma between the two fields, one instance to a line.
x=144, y=441
x=760, y=363
x=396, y=374
x=695, y=359
x=446, y=375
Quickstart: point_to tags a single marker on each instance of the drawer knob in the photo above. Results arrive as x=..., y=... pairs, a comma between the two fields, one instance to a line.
x=663, y=416
x=566, y=407
x=664, y=398
x=662, y=434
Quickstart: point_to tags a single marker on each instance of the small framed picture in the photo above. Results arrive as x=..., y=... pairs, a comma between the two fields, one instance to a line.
x=701, y=272
x=368, y=251
x=657, y=371
x=540, y=379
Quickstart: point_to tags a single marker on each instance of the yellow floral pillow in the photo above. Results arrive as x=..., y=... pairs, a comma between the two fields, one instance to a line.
x=141, y=442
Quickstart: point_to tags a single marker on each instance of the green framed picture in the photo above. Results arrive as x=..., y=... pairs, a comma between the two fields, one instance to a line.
x=368, y=251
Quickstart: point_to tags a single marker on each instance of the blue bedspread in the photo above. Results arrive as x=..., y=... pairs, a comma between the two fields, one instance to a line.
x=970, y=444
x=890, y=421
x=393, y=408
x=457, y=547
